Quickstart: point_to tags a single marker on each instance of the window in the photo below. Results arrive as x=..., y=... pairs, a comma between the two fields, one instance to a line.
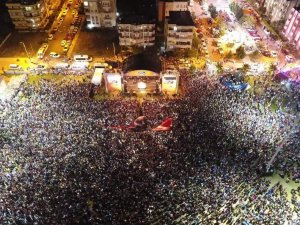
x=28, y=8
x=105, y=3
x=86, y=3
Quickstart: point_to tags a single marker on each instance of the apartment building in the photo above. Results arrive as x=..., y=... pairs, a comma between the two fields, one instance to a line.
x=100, y=13
x=28, y=14
x=179, y=28
x=136, y=31
x=291, y=28
x=165, y=6
x=278, y=10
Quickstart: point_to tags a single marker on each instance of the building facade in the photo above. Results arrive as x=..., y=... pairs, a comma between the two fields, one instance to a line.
x=165, y=6
x=100, y=13
x=136, y=32
x=278, y=10
x=292, y=27
x=179, y=27
x=28, y=14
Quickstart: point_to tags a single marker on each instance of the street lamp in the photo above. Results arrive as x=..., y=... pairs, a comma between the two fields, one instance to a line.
x=21, y=42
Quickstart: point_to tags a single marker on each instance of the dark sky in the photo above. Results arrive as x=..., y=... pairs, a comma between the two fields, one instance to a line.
x=147, y=7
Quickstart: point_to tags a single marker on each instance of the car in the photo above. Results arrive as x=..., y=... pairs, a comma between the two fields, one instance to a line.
x=285, y=51
x=76, y=5
x=274, y=54
x=68, y=42
x=50, y=37
x=15, y=67
x=66, y=48
x=63, y=42
x=55, y=29
x=44, y=45
x=266, y=53
x=289, y=58
x=61, y=19
x=70, y=1
x=54, y=55
x=74, y=11
x=40, y=66
x=65, y=12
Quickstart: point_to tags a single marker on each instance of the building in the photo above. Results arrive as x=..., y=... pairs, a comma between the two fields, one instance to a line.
x=278, y=10
x=165, y=6
x=100, y=13
x=291, y=28
x=28, y=14
x=179, y=28
x=136, y=31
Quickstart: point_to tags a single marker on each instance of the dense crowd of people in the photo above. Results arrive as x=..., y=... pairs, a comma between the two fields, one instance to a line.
x=63, y=162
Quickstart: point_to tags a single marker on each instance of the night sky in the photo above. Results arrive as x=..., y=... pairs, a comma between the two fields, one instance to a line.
x=147, y=7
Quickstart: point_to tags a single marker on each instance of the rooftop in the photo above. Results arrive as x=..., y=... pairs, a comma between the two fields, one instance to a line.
x=136, y=19
x=173, y=0
x=181, y=18
x=23, y=2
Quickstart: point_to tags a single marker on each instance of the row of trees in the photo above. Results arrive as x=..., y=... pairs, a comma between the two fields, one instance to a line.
x=237, y=10
x=213, y=11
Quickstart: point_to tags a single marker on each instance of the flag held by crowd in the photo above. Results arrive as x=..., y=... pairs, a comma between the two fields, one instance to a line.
x=166, y=125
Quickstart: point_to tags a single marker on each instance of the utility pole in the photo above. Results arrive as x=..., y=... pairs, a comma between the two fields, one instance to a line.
x=22, y=43
x=114, y=48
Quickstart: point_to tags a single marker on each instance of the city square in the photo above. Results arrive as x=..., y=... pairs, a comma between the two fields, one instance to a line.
x=150, y=112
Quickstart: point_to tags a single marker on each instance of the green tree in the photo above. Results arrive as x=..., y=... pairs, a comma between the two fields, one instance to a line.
x=213, y=11
x=192, y=53
x=272, y=68
x=246, y=68
x=240, y=52
x=237, y=10
x=219, y=67
x=195, y=42
x=192, y=69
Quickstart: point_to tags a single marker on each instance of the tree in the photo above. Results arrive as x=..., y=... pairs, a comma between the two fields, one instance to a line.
x=272, y=68
x=213, y=11
x=246, y=68
x=219, y=67
x=195, y=41
x=192, y=53
x=240, y=52
x=237, y=10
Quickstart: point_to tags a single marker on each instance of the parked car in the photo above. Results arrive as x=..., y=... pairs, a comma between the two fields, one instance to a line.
x=50, y=37
x=54, y=55
x=289, y=58
x=274, y=54
x=63, y=42
x=15, y=67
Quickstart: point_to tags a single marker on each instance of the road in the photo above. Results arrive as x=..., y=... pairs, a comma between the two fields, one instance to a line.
x=63, y=29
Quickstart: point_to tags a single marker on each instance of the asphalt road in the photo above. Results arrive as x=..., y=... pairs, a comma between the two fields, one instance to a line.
x=63, y=28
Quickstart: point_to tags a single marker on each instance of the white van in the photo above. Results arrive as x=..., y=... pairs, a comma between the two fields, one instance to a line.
x=61, y=66
x=15, y=67
x=82, y=58
x=79, y=65
x=100, y=65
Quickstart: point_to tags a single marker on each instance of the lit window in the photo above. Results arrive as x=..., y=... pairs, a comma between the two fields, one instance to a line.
x=28, y=8
x=86, y=3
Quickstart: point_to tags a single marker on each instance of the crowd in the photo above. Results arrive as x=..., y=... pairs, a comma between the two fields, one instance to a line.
x=62, y=161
